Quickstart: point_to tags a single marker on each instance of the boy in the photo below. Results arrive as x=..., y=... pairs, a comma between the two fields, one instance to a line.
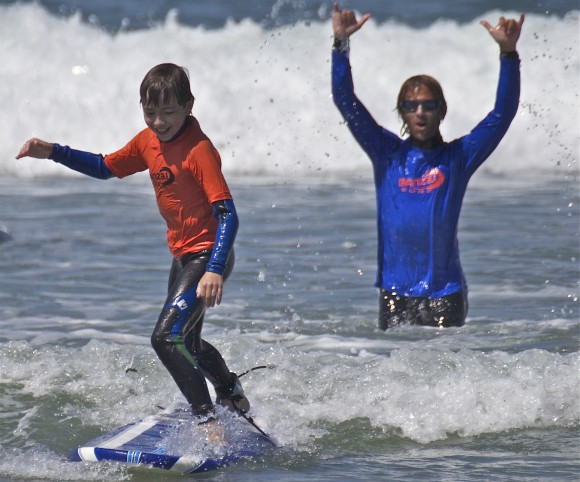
x=202, y=223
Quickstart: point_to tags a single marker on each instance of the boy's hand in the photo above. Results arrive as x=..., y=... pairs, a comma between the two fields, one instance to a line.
x=506, y=33
x=210, y=288
x=35, y=148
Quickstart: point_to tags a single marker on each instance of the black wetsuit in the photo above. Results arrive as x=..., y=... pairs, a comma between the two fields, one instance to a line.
x=177, y=335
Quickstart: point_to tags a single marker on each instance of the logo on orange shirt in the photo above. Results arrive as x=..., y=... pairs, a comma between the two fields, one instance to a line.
x=430, y=181
x=162, y=178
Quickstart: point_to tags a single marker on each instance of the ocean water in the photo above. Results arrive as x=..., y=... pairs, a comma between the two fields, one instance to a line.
x=83, y=263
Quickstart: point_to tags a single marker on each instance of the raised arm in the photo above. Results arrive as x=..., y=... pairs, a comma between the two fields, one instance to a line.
x=485, y=137
x=368, y=133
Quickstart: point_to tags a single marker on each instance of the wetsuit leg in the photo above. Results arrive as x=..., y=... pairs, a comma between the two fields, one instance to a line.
x=394, y=309
x=208, y=357
x=450, y=310
x=177, y=335
x=168, y=340
x=447, y=311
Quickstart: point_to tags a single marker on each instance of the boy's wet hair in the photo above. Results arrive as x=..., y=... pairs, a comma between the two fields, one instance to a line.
x=415, y=82
x=163, y=82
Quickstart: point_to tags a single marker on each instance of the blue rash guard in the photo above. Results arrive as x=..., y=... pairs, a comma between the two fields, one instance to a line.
x=420, y=191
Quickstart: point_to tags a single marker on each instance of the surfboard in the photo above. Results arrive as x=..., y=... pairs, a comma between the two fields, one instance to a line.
x=173, y=440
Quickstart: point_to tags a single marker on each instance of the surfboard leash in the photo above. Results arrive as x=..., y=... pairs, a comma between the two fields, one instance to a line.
x=250, y=420
x=261, y=367
x=247, y=418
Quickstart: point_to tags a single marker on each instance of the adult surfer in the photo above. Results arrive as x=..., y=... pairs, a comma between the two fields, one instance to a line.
x=421, y=180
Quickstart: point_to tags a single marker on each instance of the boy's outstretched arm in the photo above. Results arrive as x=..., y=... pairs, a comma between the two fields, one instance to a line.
x=506, y=33
x=84, y=162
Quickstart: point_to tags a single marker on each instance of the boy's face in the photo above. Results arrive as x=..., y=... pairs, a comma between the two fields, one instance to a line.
x=166, y=120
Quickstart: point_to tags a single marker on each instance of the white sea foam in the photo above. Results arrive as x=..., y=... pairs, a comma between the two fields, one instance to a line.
x=420, y=393
x=263, y=96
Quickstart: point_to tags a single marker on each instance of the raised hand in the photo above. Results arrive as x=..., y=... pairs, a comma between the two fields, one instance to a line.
x=344, y=22
x=506, y=33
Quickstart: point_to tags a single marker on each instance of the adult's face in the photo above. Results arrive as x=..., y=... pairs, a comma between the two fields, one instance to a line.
x=422, y=113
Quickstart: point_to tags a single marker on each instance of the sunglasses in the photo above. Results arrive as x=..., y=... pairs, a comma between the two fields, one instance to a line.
x=429, y=105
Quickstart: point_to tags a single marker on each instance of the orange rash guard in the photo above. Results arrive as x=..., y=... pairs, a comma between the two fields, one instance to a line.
x=187, y=178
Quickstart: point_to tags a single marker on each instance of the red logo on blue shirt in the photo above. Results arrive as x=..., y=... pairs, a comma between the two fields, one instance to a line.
x=430, y=181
